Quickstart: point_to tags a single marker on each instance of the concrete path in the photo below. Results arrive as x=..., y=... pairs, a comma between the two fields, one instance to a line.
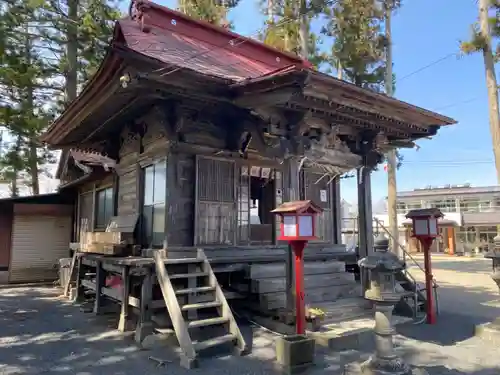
x=42, y=334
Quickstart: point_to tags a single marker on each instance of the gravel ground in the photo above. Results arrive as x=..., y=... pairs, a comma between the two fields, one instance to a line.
x=43, y=334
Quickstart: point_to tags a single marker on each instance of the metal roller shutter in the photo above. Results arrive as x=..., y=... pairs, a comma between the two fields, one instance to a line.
x=38, y=242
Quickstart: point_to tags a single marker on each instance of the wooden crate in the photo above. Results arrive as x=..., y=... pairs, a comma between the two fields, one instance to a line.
x=107, y=243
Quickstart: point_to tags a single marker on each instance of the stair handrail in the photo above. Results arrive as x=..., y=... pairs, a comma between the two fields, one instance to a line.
x=173, y=308
x=225, y=308
x=405, y=252
x=407, y=273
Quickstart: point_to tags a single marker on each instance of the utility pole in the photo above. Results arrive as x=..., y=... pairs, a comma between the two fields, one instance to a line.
x=491, y=82
x=391, y=155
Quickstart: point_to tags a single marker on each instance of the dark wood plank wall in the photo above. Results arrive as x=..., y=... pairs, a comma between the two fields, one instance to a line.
x=190, y=221
x=127, y=202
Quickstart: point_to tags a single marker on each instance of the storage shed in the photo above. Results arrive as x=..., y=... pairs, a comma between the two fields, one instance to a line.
x=35, y=232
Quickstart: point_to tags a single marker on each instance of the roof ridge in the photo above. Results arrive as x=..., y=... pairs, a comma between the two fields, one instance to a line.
x=141, y=6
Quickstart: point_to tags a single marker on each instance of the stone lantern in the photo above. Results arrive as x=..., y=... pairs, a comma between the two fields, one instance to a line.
x=491, y=331
x=382, y=267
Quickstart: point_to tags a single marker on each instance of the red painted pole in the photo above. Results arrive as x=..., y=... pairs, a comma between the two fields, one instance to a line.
x=431, y=314
x=300, y=314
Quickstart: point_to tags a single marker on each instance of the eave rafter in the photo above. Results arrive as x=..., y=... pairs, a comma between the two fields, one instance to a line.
x=357, y=118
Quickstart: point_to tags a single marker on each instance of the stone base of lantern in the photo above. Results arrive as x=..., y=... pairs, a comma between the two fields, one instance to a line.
x=374, y=366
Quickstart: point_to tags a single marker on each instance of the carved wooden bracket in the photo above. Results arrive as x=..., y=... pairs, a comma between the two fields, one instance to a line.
x=171, y=119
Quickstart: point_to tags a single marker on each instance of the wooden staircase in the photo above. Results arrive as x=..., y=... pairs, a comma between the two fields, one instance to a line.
x=199, y=313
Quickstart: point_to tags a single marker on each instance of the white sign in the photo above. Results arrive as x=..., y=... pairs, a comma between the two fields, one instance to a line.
x=289, y=226
x=421, y=228
x=323, y=196
x=305, y=226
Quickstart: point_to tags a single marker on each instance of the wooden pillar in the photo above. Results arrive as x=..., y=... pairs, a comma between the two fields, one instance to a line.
x=365, y=217
x=100, y=280
x=79, y=295
x=144, y=324
x=124, y=319
x=292, y=190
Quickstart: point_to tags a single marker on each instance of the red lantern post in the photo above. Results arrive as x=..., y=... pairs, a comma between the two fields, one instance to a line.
x=425, y=229
x=298, y=224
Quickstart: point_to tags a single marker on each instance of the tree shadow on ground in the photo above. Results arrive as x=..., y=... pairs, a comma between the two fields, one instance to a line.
x=40, y=333
x=55, y=337
x=462, y=309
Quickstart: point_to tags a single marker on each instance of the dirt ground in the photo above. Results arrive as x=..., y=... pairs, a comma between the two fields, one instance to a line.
x=43, y=334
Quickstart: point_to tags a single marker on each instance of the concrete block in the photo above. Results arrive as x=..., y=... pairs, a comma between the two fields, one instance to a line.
x=294, y=353
x=350, y=340
x=310, y=282
x=265, y=271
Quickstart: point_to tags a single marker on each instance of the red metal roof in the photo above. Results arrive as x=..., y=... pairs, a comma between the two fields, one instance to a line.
x=175, y=39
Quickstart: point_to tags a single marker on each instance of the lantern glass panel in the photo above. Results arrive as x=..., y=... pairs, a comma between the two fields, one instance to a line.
x=306, y=226
x=420, y=227
x=289, y=226
x=433, y=230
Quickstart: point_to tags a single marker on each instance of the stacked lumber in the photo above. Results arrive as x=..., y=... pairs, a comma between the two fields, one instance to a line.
x=323, y=282
x=107, y=243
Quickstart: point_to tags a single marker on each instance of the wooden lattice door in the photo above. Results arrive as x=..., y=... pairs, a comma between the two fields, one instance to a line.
x=215, y=202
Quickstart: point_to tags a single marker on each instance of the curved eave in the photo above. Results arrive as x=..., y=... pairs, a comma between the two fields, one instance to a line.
x=318, y=78
x=77, y=111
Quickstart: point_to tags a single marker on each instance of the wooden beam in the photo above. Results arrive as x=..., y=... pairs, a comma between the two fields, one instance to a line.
x=266, y=98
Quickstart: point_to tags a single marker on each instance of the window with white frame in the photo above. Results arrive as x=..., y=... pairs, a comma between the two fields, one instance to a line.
x=153, y=208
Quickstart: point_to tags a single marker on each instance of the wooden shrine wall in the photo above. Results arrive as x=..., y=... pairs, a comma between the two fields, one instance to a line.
x=202, y=190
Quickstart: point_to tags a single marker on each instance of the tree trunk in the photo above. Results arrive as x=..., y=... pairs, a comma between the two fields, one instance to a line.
x=491, y=82
x=303, y=30
x=14, y=187
x=71, y=86
x=32, y=141
x=392, y=190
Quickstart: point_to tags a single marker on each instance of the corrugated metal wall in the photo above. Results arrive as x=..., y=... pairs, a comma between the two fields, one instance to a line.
x=38, y=242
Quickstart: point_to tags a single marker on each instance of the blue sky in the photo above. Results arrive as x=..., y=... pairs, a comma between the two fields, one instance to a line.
x=425, y=31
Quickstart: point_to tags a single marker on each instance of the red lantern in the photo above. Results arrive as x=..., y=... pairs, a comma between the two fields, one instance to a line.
x=425, y=222
x=298, y=220
x=298, y=224
x=425, y=228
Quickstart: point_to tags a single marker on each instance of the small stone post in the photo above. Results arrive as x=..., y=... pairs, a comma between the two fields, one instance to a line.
x=491, y=331
x=382, y=267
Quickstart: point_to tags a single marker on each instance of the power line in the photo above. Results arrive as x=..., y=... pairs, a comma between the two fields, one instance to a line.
x=458, y=103
x=435, y=62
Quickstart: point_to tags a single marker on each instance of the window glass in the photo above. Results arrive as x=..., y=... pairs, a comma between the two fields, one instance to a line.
x=160, y=182
x=149, y=173
x=104, y=207
x=153, y=210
